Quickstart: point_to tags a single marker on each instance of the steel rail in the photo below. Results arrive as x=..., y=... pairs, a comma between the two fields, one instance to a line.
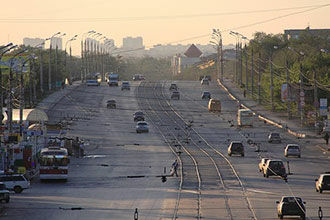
x=153, y=120
x=222, y=156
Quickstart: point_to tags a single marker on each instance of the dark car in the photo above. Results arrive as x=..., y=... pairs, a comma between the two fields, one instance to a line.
x=173, y=87
x=138, y=116
x=323, y=182
x=274, y=138
x=291, y=206
x=208, y=77
x=125, y=86
x=175, y=95
x=236, y=147
x=275, y=168
x=206, y=95
x=111, y=103
x=205, y=82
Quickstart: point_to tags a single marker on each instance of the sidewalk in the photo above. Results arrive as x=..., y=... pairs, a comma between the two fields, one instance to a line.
x=278, y=119
x=49, y=102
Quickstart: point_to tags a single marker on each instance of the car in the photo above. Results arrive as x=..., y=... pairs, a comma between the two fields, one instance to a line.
x=206, y=95
x=274, y=137
x=174, y=87
x=208, y=77
x=275, y=167
x=138, y=116
x=292, y=150
x=214, y=105
x=175, y=95
x=205, y=82
x=15, y=182
x=262, y=164
x=92, y=82
x=142, y=126
x=236, y=147
x=138, y=77
x=323, y=182
x=125, y=86
x=4, y=193
x=111, y=103
x=291, y=206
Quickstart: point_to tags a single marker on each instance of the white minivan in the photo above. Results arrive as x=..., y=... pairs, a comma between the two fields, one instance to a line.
x=15, y=182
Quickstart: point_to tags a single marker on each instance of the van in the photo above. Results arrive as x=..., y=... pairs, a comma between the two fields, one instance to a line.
x=15, y=182
x=244, y=117
x=214, y=105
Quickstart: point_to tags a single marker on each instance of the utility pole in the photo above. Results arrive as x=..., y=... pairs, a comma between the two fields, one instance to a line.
x=302, y=96
x=21, y=99
x=288, y=89
x=241, y=61
x=30, y=85
x=236, y=62
x=9, y=108
x=56, y=67
x=246, y=69
x=50, y=67
x=252, y=71
x=272, y=83
x=34, y=81
x=259, y=79
x=221, y=59
x=41, y=72
x=315, y=97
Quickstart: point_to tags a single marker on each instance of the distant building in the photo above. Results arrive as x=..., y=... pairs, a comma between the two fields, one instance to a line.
x=132, y=42
x=33, y=42
x=295, y=33
x=56, y=42
x=191, y=57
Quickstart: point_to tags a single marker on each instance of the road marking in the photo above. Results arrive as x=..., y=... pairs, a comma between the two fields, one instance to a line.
x=260, y=191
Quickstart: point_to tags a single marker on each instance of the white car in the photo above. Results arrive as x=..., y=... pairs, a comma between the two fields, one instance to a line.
x=15, y=182
x=142, y=126
x=292, y=150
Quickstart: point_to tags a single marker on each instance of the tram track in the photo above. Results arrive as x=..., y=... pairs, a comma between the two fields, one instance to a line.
x=221, y=176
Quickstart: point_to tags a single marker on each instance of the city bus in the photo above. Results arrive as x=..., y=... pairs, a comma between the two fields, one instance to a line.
x=244, y=117
x=54, y=163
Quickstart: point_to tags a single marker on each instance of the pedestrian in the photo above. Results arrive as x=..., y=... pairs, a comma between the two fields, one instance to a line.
x=244, y=93
x=175, y=168
x=326, y=138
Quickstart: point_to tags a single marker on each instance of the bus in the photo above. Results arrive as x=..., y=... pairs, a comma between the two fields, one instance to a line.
x=54, y=163
x=244, y=117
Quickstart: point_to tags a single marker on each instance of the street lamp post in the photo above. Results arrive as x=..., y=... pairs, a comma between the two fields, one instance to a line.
x=56, y=60
x=50, y=62
x=6, y=48
x=301, y=101
x=66, y=68
x=83, y=54
x=10, y=106
x=217, y=37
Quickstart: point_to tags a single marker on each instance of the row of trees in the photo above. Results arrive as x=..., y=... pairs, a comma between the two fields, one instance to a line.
x=273, y=60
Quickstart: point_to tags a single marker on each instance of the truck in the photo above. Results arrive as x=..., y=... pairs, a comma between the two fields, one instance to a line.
x=113, y=79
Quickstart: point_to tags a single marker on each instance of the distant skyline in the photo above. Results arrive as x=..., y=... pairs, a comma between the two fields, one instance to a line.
x=158, y=22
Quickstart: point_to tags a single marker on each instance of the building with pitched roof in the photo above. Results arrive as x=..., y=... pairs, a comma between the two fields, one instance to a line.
x=190, y=57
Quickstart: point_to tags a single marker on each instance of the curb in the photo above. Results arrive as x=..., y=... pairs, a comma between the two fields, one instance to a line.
x=264, y=118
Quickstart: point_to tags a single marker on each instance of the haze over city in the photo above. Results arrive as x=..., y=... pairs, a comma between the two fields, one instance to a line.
x=158, y=22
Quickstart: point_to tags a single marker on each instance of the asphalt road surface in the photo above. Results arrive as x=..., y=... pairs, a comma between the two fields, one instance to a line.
x=98, y=186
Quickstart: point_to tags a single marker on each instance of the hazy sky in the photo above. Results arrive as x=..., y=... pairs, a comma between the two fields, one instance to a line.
x=157, y=21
